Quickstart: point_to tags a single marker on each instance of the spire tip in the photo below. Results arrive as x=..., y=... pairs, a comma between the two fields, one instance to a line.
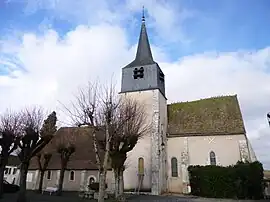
x=143, y=17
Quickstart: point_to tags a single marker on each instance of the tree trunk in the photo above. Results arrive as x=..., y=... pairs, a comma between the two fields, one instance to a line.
x=23, y=176
x=116, y=181
x=102, y=183
x=2, y=171
x=121, y=197
x=103, y=168
x=121, y=183
x=60, y=182
x=42, y=172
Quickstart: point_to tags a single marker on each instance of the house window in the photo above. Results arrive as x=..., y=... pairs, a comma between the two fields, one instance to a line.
x=9, y=171
x=72, y=176
x=212, y=158
x=174, y=167
x=14, y=171
x=6, y=170
x=49, y=175
x=141, y=166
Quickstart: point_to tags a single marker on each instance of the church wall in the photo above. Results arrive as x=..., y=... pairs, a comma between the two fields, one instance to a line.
x=252, y=153
x=32, y=179
x=143, y=147
x=81, y=179
x=226, y=149
x=163, y=128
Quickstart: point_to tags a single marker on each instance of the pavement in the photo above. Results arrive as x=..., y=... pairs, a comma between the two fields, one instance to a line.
x=73, y=197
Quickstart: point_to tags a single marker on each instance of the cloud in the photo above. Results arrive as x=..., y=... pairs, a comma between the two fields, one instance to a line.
x=163, y=16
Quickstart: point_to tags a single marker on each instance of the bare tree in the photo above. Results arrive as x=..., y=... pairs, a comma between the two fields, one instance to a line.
x=129, y=125
x=93, y=107
x=65, y=150
x=43, y=160
x=34, y=138
x=10, y=123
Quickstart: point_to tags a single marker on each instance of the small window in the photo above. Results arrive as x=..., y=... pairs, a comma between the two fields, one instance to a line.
x=91, y=180
x=6, y=171
x=141, y=166
x=72, y=176
x=161, y=76
x=212, y=158
x=138, y=73
x=14, y=171
x=174, y=167
x=9, y=171
x=49, y=175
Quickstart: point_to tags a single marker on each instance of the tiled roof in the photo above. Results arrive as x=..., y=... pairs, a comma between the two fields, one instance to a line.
x=84, y=155
x=217, y=115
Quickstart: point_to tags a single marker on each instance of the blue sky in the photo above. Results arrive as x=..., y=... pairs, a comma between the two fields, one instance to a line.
x=205, y=48
x=224, y=25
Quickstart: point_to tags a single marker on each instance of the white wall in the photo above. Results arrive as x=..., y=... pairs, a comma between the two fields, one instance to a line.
x=11, y=174
x=225, y=147
x=144, y=147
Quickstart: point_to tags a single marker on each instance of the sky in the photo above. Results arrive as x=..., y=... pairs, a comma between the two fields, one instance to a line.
x=206, y=48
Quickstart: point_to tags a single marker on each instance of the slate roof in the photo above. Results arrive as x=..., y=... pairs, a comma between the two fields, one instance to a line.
x=84, y=156
x=217, y=115
x=144, y=54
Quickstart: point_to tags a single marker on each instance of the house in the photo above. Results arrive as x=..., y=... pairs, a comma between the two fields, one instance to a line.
x=200, y=132
x=11, y=170
x=81, y=169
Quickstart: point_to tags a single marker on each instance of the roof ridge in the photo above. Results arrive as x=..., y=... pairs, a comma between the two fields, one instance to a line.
x=207, y=98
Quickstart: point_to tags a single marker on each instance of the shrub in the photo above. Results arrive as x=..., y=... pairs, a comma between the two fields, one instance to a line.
x=95, y=186
x=242, y=181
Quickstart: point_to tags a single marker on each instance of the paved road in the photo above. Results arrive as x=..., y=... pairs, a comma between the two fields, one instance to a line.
x=73, y=197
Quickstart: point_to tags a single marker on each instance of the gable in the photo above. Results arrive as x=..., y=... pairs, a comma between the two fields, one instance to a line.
x=218, y=115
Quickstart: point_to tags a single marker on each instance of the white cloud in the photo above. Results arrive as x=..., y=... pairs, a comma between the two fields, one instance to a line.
x=163, y=16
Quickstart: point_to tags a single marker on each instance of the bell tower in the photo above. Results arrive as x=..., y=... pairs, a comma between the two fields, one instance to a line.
x=144, y=80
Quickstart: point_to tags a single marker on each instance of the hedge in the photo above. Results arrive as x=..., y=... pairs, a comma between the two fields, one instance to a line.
x=241, y=181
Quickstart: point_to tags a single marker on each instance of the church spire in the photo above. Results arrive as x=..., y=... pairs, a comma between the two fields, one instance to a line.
x=144, y=54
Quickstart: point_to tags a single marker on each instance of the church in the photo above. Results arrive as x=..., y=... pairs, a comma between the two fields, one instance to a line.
x=209, y=131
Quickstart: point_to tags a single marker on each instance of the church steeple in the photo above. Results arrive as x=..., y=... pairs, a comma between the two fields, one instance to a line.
x=143, y=73
x=144, y=54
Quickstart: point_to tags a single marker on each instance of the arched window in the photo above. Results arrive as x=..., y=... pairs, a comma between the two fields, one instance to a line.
x=71, y=175
x=141, y=166
x=174, y=167
x=91, y=180
x=212, y=158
